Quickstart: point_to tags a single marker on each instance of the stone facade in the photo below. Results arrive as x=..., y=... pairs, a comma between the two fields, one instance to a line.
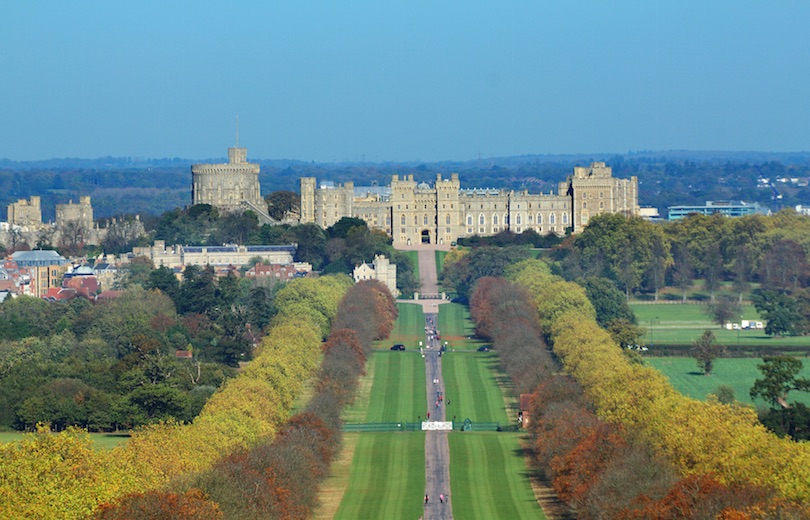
x=380, y=269
x=26, y=213
x=230, y=186
x=441, y=213
x=181, y=256
x=80, y=214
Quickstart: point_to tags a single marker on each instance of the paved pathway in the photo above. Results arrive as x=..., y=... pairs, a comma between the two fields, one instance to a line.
x=437, y=451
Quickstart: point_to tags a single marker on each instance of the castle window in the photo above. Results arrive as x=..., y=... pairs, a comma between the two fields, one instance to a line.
x=601, y=194
x=584, y=195
x=415, y=220
x=601, y=205
x=447, y=231
x=584, y=205
x=469, y=220
x=551, y=220
x=424, y=220
x=565, y=218
x=481, y=220
x=494, y=220
x=517, y=221
x=447, y=220
x=403, y=220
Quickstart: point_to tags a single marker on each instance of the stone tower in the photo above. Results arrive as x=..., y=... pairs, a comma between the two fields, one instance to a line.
x=229, y=187
x=594, y=190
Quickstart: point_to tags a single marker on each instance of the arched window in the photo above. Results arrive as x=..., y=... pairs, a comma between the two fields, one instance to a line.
x=517, y=219
x=584, y=205
x=565, y=218
x=551, y=219
x=540, y=219
x=495, y=220
x=481, y=219
x=601, y=205
x=469, y=220
x=447, y=219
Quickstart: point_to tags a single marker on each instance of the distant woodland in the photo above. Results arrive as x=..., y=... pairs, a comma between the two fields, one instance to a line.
x=151, y=187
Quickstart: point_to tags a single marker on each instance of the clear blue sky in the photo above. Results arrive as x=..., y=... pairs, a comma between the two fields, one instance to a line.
x=396, y=80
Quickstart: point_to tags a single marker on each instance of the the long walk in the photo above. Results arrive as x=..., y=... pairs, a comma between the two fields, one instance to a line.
x=437, y=449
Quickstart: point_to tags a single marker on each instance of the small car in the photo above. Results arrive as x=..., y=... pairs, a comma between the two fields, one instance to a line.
x=483, y=348
x=398, y=346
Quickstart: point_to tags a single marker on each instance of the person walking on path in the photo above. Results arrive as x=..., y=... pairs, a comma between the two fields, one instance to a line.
x=441, y=498
x=426, y=499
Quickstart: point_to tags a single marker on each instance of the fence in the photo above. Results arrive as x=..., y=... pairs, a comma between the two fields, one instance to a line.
x=417, y=426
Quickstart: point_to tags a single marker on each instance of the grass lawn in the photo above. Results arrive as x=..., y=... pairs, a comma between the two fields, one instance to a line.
x=101, y=441
x=409, y=328
x=472, y=388
x=398, y=391
x=681, y=324
x=455, y=326
x=440, y=262
x=738, y=373
x=488, y=477
x=387, y=477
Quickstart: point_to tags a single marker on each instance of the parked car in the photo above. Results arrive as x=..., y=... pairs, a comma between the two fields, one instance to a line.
x=483, y=348
x=398, y=346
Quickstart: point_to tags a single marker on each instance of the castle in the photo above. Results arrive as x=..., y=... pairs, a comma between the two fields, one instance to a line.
x=441, y=213
x=230, y=186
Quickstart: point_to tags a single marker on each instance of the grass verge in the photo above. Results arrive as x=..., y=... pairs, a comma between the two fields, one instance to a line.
x=387, y=477
x=489, y=478
x=471, y=385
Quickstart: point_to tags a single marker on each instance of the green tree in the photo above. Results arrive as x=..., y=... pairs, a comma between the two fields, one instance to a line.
x=164, y=280
x=724, y=309
x=780, y=377
x=705, y=350
x=781, y=312
x=608, y=301
x=281, y=203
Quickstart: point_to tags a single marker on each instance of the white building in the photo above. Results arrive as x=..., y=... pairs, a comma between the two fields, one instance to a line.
x=380, y=269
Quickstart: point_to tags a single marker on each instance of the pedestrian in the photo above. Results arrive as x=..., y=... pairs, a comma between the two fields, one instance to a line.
x=441, y=498
x=428, y=416
x=426, y=498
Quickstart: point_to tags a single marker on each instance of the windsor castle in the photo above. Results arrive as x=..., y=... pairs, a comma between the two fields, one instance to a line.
x=414, y=212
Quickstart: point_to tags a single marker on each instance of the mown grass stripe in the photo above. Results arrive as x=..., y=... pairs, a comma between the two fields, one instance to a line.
x=388, y=477
x=488, y=478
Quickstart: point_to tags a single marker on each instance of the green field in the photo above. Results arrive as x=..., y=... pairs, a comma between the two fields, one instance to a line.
x=455, y=327
x=738, y=373
x=387, y=477
x=440, y=262
x=398, y=391
x=409, y=329
x=101, y=441
x=488, y=477
x=471, y=386
x=681, y=324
